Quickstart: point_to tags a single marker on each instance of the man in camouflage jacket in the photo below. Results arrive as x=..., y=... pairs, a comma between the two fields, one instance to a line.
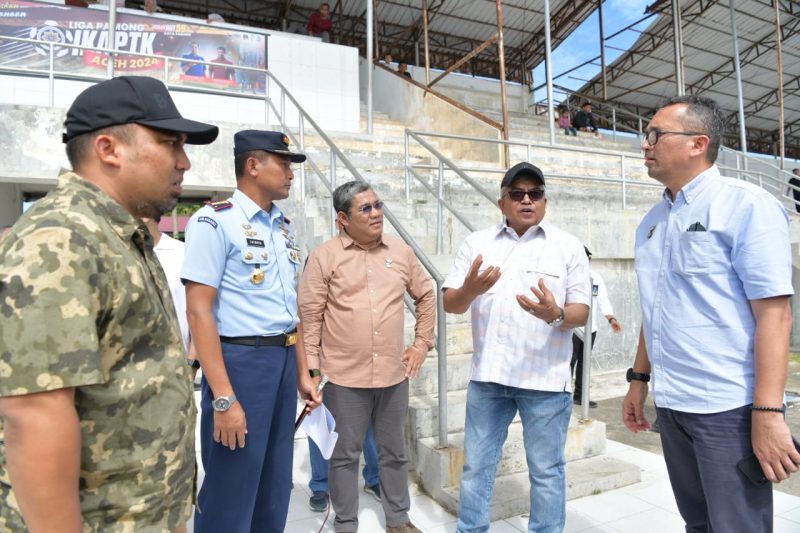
x=95, y=395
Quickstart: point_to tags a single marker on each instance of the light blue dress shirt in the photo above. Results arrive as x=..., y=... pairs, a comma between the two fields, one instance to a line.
x=226, y=249
x=699, y=261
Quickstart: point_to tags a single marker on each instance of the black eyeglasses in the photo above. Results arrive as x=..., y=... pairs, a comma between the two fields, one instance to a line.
x=367, y=209
x=518, y=194
x=654, y=135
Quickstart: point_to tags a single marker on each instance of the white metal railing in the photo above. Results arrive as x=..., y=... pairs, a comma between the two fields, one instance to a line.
x=759, y=171
x=329, y=182
x=443, y=163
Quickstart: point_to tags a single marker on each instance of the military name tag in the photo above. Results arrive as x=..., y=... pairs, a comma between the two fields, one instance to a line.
x=256, y=243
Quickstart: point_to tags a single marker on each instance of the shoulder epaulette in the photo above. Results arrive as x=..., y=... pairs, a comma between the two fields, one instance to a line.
x=221, y=205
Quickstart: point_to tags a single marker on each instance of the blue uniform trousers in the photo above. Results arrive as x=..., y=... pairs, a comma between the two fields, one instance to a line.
x=248, y=489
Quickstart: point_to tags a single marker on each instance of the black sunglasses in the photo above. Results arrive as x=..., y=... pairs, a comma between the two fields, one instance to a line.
x=518, y=194
x=367, y=209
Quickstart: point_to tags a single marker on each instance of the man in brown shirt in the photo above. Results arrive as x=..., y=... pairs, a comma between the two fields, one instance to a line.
x=351, y=304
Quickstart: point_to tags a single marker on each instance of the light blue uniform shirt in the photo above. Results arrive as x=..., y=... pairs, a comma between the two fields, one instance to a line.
x=695, y=288
x=220, y=253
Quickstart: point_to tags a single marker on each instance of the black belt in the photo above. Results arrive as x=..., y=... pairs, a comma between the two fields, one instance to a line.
x=284, y=339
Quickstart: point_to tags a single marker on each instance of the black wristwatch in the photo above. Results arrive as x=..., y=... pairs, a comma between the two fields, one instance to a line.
x=194, y=363
x=638, y=376
x=314, y=373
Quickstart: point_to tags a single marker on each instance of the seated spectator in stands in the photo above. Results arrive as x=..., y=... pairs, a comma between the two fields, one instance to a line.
x=566, y=123
x=387, y=59
x=320, y=23
x=193, y=69
x=402, y=68
x=214, y=17
x=584, y=120
x=219, y=72
x=151, y=7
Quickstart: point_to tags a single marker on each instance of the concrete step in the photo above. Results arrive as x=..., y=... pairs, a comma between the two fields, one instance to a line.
x=584, y=439
x=458, y=371
x=511, y=496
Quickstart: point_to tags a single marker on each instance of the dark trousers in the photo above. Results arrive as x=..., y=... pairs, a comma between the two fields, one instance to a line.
x=354, y=409
x=701, y=452
x=247, y=489
x=576, y=364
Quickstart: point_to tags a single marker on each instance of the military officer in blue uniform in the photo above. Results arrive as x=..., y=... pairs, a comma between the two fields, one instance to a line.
x=240, y=269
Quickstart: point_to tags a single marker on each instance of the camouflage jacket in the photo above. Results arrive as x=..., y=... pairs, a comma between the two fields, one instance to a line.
x=85, y=304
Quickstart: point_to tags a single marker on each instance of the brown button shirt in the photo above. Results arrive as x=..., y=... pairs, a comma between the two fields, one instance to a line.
x=351, y=304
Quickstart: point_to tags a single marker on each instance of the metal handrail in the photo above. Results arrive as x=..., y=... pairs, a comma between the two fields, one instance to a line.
x=462, y=172
x=441, y=337
x=773, y=184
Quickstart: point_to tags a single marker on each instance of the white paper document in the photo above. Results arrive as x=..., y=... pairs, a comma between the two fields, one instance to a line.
x=319, y=426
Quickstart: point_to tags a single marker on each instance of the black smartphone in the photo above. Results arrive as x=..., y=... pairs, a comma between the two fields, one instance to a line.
x=751, y=468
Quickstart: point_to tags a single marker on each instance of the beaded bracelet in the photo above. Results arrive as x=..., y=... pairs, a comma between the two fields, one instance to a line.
x=781, y=409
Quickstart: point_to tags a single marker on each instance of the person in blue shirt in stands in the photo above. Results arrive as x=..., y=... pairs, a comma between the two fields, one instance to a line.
x=715, y=276
x=193, y=69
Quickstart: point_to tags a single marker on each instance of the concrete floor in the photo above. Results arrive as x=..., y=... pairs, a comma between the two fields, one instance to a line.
x=609, y=389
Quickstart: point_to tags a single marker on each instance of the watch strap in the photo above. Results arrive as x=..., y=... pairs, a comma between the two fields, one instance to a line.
x=638, y=376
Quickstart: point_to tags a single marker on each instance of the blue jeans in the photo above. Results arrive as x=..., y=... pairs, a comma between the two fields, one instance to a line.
x=545, y=418
x=319, y=465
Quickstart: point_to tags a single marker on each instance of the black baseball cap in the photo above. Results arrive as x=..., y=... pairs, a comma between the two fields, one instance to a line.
x=132, y=100
x=521, y=170
x=274, y=142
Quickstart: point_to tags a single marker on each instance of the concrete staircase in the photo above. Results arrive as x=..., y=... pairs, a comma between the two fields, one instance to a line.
x=379, y=158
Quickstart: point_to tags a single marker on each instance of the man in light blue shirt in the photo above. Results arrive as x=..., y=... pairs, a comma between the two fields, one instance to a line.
x=715, y=276
x=240, y=269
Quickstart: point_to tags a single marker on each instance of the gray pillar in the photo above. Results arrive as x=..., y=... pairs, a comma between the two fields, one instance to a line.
x=548, y=60
x=676, y=30
x=370, y=66
x=112, y=37
x=740, y=99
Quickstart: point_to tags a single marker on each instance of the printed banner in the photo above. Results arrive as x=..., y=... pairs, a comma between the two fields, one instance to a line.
x=143, y=34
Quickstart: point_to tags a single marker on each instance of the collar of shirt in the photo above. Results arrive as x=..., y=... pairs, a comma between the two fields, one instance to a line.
x=347, y=241
x=691, y=190
x=530, y=234
x=117, y=216
x=252, y=209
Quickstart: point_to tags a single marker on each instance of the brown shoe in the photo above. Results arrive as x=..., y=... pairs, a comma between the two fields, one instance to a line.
x=407, y=528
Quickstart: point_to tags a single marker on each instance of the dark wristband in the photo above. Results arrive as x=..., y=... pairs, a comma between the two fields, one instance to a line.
x=194, y=363
x=315, y=373
x=781, y=409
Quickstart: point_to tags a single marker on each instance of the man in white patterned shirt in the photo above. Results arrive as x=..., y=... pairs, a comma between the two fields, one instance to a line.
x=521, y=322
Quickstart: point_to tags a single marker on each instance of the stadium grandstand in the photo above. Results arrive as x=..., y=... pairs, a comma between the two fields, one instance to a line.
x=434, y=144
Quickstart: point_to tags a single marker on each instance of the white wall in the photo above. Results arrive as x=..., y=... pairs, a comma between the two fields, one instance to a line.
x=322, y=76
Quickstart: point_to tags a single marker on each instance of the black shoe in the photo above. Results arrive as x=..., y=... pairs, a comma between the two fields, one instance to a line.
x=374, y=490
x=578, y=401
x=318, y=501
